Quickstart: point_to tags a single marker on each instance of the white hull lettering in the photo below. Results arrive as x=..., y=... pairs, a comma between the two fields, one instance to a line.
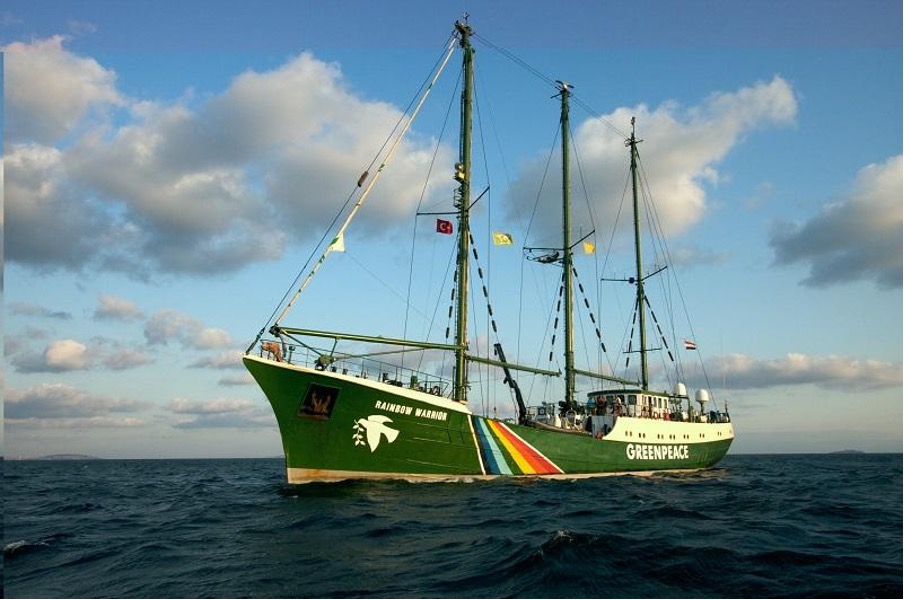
x=656, y=452
x=436, y=415
x=393, y=408
x=423, y=413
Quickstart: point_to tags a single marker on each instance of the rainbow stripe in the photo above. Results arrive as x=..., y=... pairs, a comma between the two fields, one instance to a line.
x=503, y=452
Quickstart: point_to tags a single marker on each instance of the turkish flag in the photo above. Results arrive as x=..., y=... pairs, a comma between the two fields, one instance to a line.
x=443, y=226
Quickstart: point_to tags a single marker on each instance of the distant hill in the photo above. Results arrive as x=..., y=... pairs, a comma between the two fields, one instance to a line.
x=68, y=457
x=848, y=452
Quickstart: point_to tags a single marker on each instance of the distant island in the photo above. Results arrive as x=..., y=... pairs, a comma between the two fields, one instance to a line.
x=68, y=457
x=848, y=452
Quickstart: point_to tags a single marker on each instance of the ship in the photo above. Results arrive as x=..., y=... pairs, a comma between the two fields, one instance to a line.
x=339, y=420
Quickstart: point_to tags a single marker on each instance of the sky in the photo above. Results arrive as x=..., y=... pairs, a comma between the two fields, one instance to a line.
x=169, y=168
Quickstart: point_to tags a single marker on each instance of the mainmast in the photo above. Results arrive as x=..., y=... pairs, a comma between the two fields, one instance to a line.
x=564, y=90
x=641, y=298
x=462, y=203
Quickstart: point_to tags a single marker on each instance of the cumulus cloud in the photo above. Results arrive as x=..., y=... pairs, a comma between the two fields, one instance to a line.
x=223, y=413
x=117, y=309
x=167, y=326
x=233, y=380
x=858, y=237
x=49, y=90
x=63, y=406
x=746, y=372
x=66, y=355
x=48, y=222
x=223, y=360
x=179, y=189
x=684, y=148
x=60, y=356
x=122, y=358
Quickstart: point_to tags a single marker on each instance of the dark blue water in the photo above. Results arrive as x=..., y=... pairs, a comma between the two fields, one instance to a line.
x=758, y=526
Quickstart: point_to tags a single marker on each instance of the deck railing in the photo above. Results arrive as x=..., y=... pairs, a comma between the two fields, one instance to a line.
x=360, y=367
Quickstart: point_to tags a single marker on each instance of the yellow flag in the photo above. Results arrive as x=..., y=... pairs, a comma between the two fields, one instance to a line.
x=338, y=244
x=502, y=239
x=589, y=248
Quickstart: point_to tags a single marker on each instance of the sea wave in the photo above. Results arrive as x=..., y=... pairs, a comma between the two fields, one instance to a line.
x=759, y=526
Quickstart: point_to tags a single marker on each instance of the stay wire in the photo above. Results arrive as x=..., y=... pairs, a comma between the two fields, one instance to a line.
x=550, y=82
x=423, y=195
x=357, y=186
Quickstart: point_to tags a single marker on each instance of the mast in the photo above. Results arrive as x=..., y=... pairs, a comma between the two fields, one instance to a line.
x=564, y=90
x=641, y=298
x=462, y=203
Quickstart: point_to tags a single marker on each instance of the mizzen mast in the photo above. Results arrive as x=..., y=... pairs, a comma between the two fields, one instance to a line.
x=631, y=143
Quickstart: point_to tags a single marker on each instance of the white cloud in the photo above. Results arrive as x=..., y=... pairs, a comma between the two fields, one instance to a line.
x=858, y=237
x=209, y=338
x=120, y=309
x=66, y=355
x=59, y=401
x=168, y=325
x=121, y=358
x=182, y=406
x=49, y=90
x=682, y=150
x=70, y=355
x=222, y=413
x=223, y=360
x=171, y=326
x=48, y=223
x=745, y=372
x=185, y=190
x=232, y=380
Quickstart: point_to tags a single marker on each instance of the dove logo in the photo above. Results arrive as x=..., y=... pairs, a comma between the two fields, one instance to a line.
x=373, y=429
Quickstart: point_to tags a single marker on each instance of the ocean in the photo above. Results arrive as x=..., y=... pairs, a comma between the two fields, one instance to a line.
x=758, y=526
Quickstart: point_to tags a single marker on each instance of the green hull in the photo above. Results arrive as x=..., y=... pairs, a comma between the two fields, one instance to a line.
x=336, y=426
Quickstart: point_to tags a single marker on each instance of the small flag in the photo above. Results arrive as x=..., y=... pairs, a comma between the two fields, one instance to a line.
x=443, y=226
x=589, y=248
x=689, y=345
x=338, y=244
x=502, y=239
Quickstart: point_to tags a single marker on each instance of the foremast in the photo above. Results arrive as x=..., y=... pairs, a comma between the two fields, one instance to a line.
x=462, y=203
x=567, y=260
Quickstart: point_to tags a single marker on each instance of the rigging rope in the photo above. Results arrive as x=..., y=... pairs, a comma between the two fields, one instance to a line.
x=555, y=325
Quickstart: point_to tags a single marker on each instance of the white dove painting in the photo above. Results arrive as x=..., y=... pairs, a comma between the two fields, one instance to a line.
x=374, y=427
